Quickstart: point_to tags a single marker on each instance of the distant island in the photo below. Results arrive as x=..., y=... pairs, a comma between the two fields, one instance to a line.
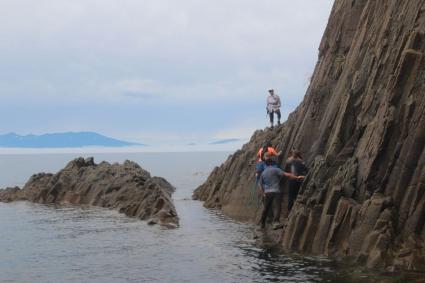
x=226, y=141
x=61, y=140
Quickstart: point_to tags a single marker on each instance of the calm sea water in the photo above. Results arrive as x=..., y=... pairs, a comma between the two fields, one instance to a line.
x=40, y=243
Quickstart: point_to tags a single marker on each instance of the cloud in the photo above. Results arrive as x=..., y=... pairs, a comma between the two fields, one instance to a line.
x=235, y=26
x=138, y=85
x=118, y=63
x=235, y=133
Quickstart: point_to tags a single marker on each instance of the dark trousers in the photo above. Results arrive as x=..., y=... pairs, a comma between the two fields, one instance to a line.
x=294, y=188
x=269, y=199
x=271, y=114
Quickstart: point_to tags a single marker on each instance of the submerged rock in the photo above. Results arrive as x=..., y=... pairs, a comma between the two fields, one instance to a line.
x=125, y=187
x=361, y=128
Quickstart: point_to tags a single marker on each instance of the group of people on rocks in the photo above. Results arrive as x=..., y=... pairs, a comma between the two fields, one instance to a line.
x=269, y=177
x=269, y=173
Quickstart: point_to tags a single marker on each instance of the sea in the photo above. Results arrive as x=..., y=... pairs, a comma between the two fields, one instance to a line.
x=48, y=243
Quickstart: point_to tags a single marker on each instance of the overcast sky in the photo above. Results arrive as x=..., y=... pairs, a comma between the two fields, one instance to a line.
x=159, y=71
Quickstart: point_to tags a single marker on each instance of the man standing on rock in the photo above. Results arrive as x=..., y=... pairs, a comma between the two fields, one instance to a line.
x=273, y=106
x=270, y=187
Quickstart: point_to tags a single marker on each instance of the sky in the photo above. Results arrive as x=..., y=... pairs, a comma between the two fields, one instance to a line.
x=154, y=71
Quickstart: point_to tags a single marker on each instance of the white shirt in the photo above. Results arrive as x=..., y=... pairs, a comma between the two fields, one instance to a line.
x=273, y=103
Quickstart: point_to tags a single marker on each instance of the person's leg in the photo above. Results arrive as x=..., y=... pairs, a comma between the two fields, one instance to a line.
x=296, y=191
x=277, y=207
x=267, y=205
x=294, y=188
x=290, y=198
x=271, y=115
x=279, y=115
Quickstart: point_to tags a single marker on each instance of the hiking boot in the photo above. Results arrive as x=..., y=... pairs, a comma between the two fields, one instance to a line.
x=278, y=123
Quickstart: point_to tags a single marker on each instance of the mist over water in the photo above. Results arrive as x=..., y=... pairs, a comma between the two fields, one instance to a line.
x=40, y=243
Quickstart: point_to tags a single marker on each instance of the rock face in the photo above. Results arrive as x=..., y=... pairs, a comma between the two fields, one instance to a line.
x=125, y=187
x=361, y=128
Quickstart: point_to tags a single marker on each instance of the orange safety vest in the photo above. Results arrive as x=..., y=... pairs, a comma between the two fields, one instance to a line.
x=270, y=150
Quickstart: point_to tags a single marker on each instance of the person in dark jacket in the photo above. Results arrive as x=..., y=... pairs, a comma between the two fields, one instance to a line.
x=296, y=166
x=270, y=188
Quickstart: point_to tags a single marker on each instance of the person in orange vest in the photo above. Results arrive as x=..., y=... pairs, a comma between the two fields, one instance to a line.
x=260, y=166
x=267, y=148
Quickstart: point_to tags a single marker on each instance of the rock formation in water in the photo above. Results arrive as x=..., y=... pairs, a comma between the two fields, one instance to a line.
x=361, y=128
x=125, y=187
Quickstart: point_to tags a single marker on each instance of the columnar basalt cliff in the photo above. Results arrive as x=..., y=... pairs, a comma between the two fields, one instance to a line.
x=125, y=187
x=361, y=128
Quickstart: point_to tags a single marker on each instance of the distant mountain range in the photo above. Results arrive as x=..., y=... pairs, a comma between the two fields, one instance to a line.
x=61, y=140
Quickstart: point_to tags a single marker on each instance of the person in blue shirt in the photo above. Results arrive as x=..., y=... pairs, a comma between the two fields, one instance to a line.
x=270, y=188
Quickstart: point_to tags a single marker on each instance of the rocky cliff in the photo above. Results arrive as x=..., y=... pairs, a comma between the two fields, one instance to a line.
x=361, y=129
x=125, y=187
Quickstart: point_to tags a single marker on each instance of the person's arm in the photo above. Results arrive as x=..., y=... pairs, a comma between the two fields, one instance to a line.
x=259, y=153
x=278, y=102
x=268, y=105
x=292, y=176
x=272, y=151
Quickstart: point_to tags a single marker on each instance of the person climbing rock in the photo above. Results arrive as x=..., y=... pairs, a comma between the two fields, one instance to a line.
x=273, y=106
x=296, y=166
x=270, y=188
x=260, y=166
x=267, y=148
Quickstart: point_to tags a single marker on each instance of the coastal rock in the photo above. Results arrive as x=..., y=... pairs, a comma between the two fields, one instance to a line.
x=11, y=194
x=125, y=187
x=361, y=129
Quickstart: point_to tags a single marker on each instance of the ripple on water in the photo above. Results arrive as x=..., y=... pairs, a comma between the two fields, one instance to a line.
x=40, y=243
x=74, y=244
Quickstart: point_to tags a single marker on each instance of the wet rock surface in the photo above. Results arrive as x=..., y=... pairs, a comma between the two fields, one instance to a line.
x=125, y=187
x=361, y=128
